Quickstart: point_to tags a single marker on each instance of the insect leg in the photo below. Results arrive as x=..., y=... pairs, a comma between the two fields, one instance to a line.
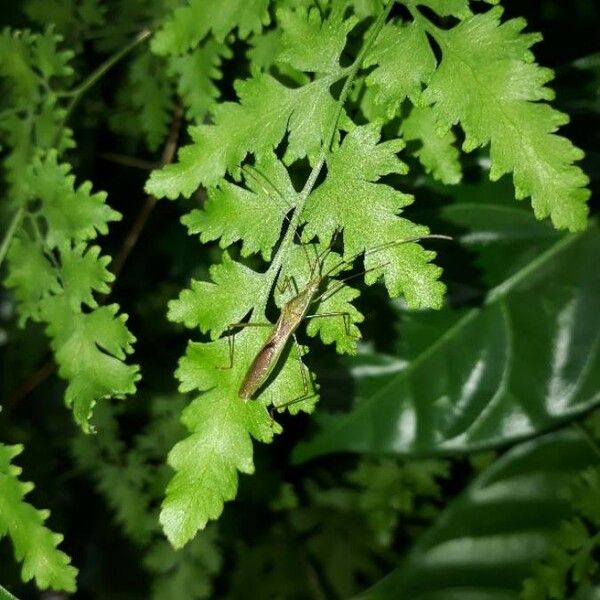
x=344, y=315
x=305, y=395
x=340, y=283
x=232, y=329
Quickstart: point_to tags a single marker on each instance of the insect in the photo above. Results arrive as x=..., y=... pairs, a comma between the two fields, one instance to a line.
x=293, y=313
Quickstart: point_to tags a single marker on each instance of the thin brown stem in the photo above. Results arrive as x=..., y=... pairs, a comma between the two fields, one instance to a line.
x=133, y=235
x=129, y=161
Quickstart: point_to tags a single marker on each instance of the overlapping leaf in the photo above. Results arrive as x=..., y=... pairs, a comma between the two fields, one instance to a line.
x=483, y=544
x=232, y=211
x=195, y=73
x=527, y=359
x=33, y=64
x=367, y=211
x=34, y=544
x=190, y=24
x=437, y=152
x=488, y=82
x=304, y=112
x=222, y=427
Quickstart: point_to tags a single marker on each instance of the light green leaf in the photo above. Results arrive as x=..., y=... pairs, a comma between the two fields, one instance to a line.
x=222, y=427
x=437, y=152
x=213, y=306
x=195, y=73
x=90, y=349
x=189, y=24
x=34, y=544
x=54, y=275
x=351, y=199
x=404, y=61
x=339, y=328
x=231, y=211
x=72, y=214
x=487, y=81
x=247, y=127
x=311, y=43
x=31, y=277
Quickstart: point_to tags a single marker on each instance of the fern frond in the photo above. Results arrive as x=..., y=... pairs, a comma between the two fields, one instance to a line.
x=34, y=544
x=55, y=275
x=189, y=24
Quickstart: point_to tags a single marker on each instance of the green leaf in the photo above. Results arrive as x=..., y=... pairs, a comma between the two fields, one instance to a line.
x=231, y=211
x=404, y=61
x=521, y=363
x=189, y=24
x=72, y=214
x=144, y=105
x=54, y=275
x=483, y=544
x=351, y=199
x=339, y=328
x=212, y=306
x=311, y=43
x=488, y=82
x=29, y=59
x=247, y=127
x=437, y=152
x=222, y=427
x=34, y=544
x=90, y=349
x=195, y=73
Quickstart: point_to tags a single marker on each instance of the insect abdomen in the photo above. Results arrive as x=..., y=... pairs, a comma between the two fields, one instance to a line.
x=259, y=370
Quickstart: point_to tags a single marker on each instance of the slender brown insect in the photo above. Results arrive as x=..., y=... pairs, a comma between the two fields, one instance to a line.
x=292, y=313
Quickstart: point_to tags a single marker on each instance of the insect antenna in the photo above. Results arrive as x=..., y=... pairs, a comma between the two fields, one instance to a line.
x=351, y=259
x=329, y=293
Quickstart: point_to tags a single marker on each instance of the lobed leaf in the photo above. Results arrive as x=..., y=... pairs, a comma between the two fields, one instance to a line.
x=189, y=24
x=213, y=306
x=222, y=427
x=34, y=544
x=231, y=211
x=437, y=152
x=195, y=73
x=245, y=128
x=351, y=199
x=488, y=82
x=54, y=278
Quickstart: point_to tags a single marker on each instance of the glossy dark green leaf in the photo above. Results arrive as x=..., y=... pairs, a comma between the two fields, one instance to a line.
x=523, y=362
x=486, y=542
x=6, y=595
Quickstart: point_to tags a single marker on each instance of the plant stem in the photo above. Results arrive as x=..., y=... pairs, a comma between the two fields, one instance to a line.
x=326, y=147
x=77, y=93
x=12, y=228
